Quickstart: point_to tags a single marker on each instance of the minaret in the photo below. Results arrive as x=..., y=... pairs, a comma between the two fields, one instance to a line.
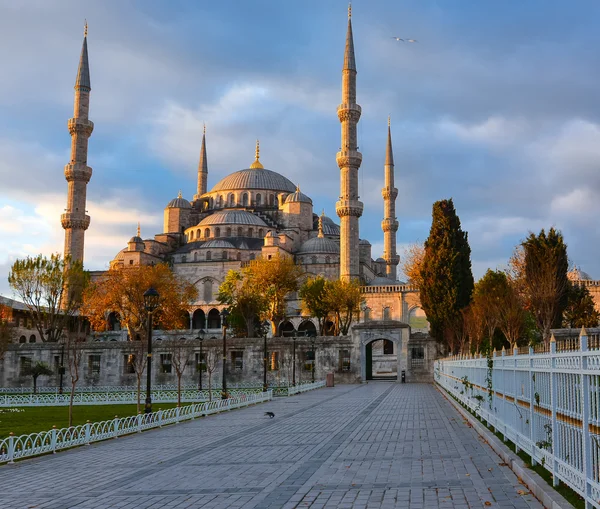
x=389, y=225
x=77, y=172
x=349, y=208
x=202, y=168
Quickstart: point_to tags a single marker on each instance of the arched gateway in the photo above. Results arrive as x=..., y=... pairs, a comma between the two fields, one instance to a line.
x=398, y=333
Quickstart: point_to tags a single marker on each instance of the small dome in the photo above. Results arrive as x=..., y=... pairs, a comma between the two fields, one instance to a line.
x=135, y=239
x=319, y=245
x=217, y=244
x=179, y=203
x=364, y=242
x=329, y=227
x=383, y=281
x=380, y=260
x=237, y=217
x=298, y=196
x=578, y=275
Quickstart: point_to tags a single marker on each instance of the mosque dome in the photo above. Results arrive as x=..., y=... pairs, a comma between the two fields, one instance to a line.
x=298, y=196
x=578, y=275
x=237, y=217
x=383, y=281
x=217, y=244
x=364, y=242
x=329, y=227
x=179, y=203
x=319, y=245
x=135, y=239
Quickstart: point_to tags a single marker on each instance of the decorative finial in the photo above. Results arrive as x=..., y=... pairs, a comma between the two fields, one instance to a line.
x=204, y=128
x=85, y=29
x=322, y=212
x=139, y=231
x=349, y=10
x=297, y=188
x=179, y=194
x=257, y=164
x=320, y=235
x=389, y=121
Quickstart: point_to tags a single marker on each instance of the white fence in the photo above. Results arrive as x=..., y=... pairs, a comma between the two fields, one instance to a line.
x=546, y=401
x=305, y=387
x=123, y=388
x=14, y=448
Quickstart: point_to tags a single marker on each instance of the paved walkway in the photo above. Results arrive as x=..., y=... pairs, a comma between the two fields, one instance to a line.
x=380, y=445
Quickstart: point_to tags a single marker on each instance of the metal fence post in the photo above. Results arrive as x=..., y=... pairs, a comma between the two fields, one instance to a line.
x=585, y=414
x=53, y=440
x=11, y=448
x=116, y=426
x=139, y=422
x=531, y=408
x=88, y=433
x=553, y=404
x=177, y=415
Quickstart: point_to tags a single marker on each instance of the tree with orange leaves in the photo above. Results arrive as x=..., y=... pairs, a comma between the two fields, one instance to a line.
x=412, y=262
x=121, y=290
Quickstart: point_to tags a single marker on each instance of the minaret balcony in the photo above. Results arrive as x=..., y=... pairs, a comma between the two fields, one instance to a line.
x=389, y=193
x=391, y=259
x=389, y=225
x=349, y=158
x=349, y=208
x=74, y=221
x=349, y=111
x=78, y=171
x=80, y=125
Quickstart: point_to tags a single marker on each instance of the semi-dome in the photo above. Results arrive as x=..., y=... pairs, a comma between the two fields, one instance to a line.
x=237, y=217
x=255, y=178
x=217, y=244
x=319, y=245
x=578, y=275
x=179, y=203
x=298, y=196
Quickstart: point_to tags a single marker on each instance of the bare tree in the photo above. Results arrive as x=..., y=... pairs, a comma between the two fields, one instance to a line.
x=138, y=359
x=211, y=359
x=474, y=325
x=180, y=351
x=287, y=365
x=512, y=316
x=74, y=356
x=7, y=329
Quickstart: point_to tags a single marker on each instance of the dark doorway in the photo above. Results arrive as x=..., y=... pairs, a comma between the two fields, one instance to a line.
x=214, y=319
x=380, y=361
x=198, y=320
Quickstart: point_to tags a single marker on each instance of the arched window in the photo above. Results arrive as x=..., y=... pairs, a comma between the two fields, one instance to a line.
x=252, y=256
x=250, y=232
x=367, y=314
x=228, y=232
x=213, y=319
x=231, y=200
x=238, y=256
x=198, y=234
x=224, y=255
x=308, y=328
x=261, y=233
x=22, y=339
x=286, y=329
x=219, y=202
x=245, y=199
x=240, y=231
x=206, y=233
x=313, y=259
x=207, y=292
x=327, y=259
x=32, y=338
x=183, y=259
x=386, y=313
x=196, y=256
x=208, y=256
x=217, y=232
x=258, y=200
x=191, y=235
x=198, y=319
x=271, y=199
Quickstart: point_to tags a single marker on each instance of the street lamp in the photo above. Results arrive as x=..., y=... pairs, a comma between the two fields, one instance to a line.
x=151, y=298
x=200, y=364
x=264, y=330
x=294, y=360
x=224, y=315
x=314, y=352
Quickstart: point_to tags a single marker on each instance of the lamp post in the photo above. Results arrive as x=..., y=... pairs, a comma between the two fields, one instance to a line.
x=151, y=298
x=200, y=364
x=294, y=360
x=224, y=315
x=61, y=368
x=264, y=359
x=314, y=360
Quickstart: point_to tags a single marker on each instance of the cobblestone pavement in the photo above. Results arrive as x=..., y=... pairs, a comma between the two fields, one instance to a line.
x=378, y=445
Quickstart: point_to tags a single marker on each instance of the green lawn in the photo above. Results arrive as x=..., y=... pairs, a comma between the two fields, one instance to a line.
x=35, y=419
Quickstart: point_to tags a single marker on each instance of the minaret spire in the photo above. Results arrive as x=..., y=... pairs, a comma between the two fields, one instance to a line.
x=77, y=172
x=349, y=208
x=202, y=168
x=389, y=225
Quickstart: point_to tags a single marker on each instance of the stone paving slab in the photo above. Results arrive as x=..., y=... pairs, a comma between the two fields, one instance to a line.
x=378, y=445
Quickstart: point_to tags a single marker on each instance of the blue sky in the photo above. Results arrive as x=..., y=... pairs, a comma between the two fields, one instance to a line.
x=496, y=106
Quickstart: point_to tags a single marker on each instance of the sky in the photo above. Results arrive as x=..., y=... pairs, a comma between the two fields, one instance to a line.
x=495, y=106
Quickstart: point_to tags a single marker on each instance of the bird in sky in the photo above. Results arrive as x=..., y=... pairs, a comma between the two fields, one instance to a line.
x=399, y=39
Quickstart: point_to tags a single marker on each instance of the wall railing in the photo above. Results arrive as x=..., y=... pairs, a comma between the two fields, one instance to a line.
x=15, y=448
x=305, y=387
x=545, y=400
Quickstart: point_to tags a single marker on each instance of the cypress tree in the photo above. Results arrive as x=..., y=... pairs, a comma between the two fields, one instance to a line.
x=447, y=278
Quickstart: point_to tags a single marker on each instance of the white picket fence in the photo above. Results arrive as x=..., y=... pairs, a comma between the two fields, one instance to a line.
x=305, y=387
x=15, y=448
x=545, y=400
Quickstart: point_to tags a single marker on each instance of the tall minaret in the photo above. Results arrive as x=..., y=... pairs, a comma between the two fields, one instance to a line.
x=77, y=172
x=389, y=225
x=202, y=168
x=349, y=208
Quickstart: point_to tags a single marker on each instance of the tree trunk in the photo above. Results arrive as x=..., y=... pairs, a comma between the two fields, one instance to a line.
x=139, y=385
x=250, y=326
x=35, y=384
x=178, y=389
x=71, y=403
x=210, y=386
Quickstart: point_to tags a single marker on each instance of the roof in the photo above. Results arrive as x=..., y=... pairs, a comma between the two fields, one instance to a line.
x=217, y=243
x=83, y=71
x=383, y=281
x=329, y=227
x=135, y=239
x=13, y=304
x=298, y=196
x=237, y=217
x=255, y=179
x=179, y=203
x=364, y=242
x=253, y=244
x=319, y=245
x=578, y=275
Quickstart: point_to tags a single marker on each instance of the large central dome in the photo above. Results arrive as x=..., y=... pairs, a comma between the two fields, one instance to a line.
x=255, y=179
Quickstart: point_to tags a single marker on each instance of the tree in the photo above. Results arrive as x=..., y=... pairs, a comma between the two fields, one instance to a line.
x=447, y=279
x=580, y=310
x=344, y=299
x=475, y=325
x=211, y=359
x=513, y=317
x=51, y=289
x=74, y=356
x=313, y=293
x=35, y=371
x=274, y=279
x=180, y=351
x=516, y=274
x=546, y=266
x=121, y=290
x=412, y=263
x=490, y=295
x=7, y=329
x=243, y=299
x=137, y=358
